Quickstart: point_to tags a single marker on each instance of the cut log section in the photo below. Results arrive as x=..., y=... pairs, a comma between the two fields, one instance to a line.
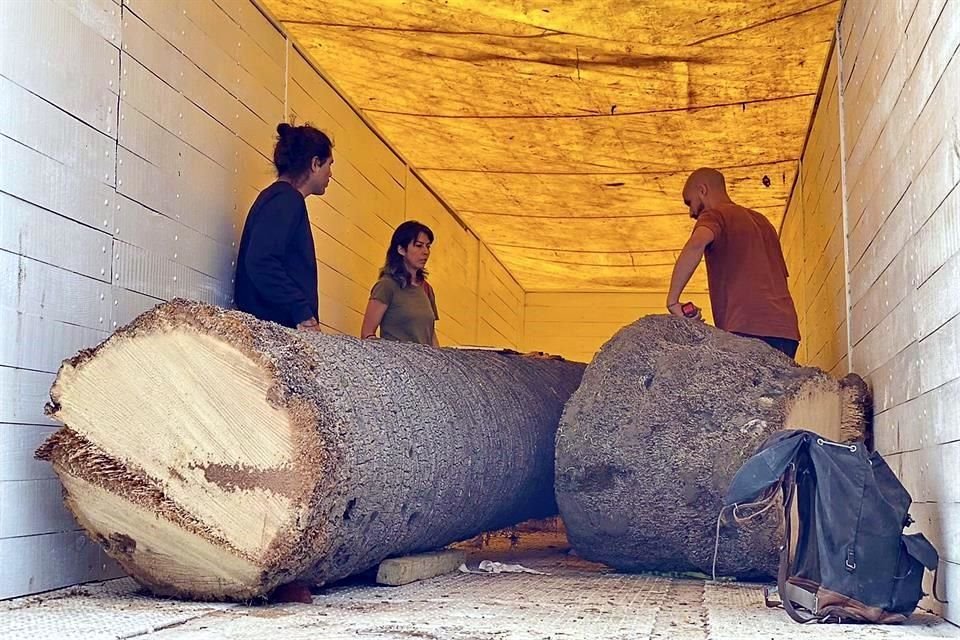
x=666, y=414
x=216, y=456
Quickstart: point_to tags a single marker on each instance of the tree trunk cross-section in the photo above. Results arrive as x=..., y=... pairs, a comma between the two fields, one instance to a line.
x=665, y=415
x=216, y=456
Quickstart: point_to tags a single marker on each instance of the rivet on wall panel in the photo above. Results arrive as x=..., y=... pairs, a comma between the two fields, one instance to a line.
x=116, y=302
x=119, y=182
x=116, y=276
x=174, y=256
x=101, y=296
x=103, y=272
x=100, y=319
x=117, y=230
x=114, y=323
x=174, y=278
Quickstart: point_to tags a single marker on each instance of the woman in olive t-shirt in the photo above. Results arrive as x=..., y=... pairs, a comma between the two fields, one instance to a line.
x=402, y=303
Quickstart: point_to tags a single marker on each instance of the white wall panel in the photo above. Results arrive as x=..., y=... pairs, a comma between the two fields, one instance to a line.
x=103, y=16
x=17, y=444
x=34, y=177
x=85, y=86
x=50, y=292
x=151, y=274
x=33, y=507
x=904, y=169
x=164, y=105
x=40, y=563
x=30, y=231
x=127, y=305
x=163, y=59
x=56, y=134
x=210, y=18
x=23, y=395
x=32, y=342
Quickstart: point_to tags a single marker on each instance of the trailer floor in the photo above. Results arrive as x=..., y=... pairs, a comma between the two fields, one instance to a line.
x=577, y=600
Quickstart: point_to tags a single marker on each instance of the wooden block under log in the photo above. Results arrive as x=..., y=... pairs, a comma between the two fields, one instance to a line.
x=394, y=572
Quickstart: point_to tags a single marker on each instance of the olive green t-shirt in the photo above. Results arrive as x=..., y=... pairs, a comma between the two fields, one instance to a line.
x=411, y=311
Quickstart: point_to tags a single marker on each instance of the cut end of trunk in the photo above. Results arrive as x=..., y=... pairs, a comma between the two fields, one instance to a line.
x=176, y=448
x=837, y=411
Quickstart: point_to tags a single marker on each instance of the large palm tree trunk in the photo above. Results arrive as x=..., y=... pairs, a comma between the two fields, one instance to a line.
x=216, y=456
x=666, y=414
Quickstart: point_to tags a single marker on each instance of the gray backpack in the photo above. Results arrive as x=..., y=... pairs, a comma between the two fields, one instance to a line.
x=853, y=563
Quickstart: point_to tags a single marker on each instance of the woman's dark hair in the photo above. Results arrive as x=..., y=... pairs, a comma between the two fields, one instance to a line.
x=297, y=147
x=403, y=235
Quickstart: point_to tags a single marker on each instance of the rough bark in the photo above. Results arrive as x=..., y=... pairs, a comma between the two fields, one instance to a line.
x=216, y=456
x=665, y=415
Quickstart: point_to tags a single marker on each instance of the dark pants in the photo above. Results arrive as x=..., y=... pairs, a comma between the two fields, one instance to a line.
x=783, y=345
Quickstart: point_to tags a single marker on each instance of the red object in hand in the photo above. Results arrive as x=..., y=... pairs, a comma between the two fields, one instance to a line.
x=689, y=309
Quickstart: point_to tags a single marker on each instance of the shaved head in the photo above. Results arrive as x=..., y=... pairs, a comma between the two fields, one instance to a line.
x=711, y=178
x=704, y=188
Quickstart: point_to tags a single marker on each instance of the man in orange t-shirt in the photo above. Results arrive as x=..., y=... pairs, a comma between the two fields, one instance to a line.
x=746, y=272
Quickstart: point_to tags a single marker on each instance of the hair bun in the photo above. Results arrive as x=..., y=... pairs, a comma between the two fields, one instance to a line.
x=284, y=129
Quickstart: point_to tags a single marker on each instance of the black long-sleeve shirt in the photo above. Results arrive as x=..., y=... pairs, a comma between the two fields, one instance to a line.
x=277, y=265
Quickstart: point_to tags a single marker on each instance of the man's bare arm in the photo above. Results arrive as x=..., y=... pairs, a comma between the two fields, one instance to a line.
x=687, y=263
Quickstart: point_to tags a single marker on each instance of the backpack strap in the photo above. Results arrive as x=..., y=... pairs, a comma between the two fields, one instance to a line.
x=788, y=592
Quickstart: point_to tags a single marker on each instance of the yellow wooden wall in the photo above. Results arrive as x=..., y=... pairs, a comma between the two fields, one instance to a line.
x=813, y=238
x=576, y=324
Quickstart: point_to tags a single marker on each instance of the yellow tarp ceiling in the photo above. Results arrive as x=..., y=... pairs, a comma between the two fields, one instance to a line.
x=562, y=132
